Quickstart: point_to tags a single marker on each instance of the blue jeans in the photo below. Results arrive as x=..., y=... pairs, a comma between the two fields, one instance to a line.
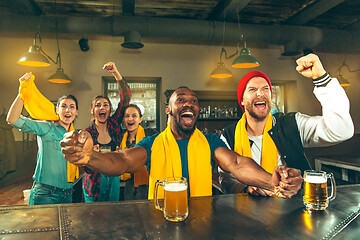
x=45, y=194
x=109, y=190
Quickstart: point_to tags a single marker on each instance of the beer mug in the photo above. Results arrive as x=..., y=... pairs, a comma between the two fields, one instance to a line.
x=315, y=189
x=175, y=198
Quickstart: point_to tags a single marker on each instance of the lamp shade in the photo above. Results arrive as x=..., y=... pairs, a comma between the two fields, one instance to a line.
x=245, y=60
x=343, y=82
x=221, y=71
x=34, y=58
x=59, y=77
x=132, y=40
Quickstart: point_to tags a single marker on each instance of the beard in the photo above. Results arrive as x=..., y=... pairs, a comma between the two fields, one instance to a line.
x=258, y=115
x=185, y=132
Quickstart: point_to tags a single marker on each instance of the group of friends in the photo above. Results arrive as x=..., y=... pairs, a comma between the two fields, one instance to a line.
x=261, y=154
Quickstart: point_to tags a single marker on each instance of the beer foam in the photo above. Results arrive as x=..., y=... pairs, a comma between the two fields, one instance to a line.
x=175, y=187
x=315, y=179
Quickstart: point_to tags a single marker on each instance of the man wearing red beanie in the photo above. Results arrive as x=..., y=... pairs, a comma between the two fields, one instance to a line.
x=280, y=139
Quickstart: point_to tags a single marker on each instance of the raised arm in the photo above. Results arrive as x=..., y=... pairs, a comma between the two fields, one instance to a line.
x=310, y=66
x=124, y=90
x=286, y=181
x=335, y=125
x=110, y=67
x=78, y=149
x=18, y=104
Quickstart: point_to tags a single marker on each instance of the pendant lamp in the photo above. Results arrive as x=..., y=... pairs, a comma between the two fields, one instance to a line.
x=343, y=82
x=245, y=60
x=34, y=57
x=221, y=71
x=59, y=77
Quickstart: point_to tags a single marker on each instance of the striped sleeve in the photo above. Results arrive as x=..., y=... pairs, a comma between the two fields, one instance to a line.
x=322, y=81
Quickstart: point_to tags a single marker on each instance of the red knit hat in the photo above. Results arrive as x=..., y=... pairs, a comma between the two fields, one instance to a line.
x=245, y=79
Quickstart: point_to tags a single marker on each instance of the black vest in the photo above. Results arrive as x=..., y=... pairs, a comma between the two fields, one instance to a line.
x=286, y=137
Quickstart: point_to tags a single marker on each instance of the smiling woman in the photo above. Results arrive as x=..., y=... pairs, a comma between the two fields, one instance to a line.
x=106, y=133
x=53, y=177
x=136, y=184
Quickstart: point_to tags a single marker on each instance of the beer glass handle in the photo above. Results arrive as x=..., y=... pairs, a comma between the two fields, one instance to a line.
x=333, y=186
x=157, y=206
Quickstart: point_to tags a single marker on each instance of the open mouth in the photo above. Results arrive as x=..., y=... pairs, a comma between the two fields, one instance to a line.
x=130, y=124
x=260, y=105
x=102, y=115
x=67, y=116
x=187, y=117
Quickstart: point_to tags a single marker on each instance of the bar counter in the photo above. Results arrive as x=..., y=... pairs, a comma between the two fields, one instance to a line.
x=237, y=216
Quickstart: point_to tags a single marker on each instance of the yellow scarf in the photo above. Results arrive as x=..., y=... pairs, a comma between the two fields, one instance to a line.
x=39, y=107
x=141, y=177
x=166, y=162
x=269, y=153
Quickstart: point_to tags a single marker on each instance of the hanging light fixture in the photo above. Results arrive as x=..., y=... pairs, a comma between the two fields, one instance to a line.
x=34, y=57
x=221, y=71
x=59, y=76
x=245, y=60
x=343, y=82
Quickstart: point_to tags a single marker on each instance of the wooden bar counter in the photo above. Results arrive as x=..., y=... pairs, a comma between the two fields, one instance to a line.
x=219, y=217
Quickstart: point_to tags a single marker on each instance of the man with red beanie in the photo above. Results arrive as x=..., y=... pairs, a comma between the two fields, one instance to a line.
x=279, y=139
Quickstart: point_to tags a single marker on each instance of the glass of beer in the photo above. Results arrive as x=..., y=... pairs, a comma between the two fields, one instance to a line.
x=175, y=196
x=315, y=190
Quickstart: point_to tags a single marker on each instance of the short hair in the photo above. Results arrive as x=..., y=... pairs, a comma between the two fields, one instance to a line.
x=68, y=96
x=172, y=92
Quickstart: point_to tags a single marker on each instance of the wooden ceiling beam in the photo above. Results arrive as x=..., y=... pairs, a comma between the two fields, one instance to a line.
x=128, y=7
x=227, y=7
x=24, y=7
x=312, y=11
